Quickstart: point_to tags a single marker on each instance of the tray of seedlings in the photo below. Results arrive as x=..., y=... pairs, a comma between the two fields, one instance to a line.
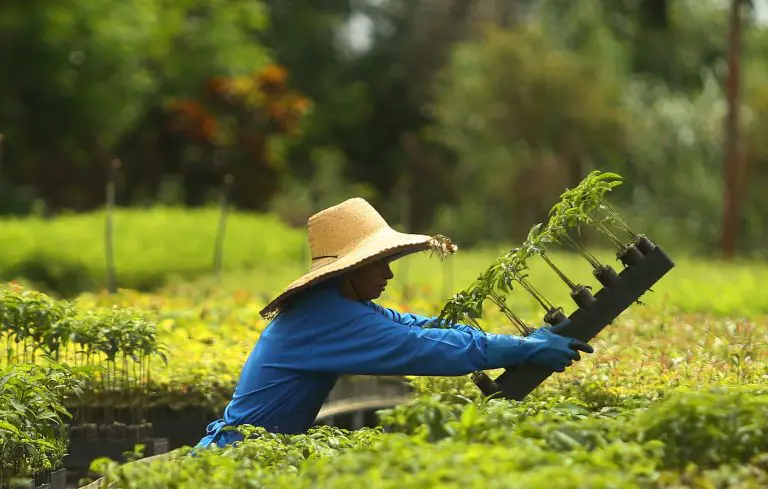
x=111, y=348
x=643, y=264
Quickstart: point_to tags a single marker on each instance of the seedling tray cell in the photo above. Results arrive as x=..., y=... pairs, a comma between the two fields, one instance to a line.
x=518, y=381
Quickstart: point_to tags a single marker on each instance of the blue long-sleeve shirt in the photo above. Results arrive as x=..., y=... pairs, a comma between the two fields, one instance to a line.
x=303, y=351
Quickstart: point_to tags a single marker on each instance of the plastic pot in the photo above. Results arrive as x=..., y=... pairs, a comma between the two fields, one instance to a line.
x=145, y=430
x=644, y=244
x=90, y=431
x=483, y=382
x=555, y=316
x=582, y=296
x=132, y=432
x=630, y=255
x=59, y=479
x=606, y=275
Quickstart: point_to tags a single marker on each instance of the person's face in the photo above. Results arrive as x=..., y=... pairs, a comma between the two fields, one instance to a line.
x=369, y=281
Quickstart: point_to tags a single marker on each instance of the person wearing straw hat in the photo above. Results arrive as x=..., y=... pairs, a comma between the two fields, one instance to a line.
x=325, y=324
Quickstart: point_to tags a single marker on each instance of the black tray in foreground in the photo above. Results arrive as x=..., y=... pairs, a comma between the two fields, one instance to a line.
x=585, y=323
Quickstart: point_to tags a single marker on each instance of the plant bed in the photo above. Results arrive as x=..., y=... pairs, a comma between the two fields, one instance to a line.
x=82, y=453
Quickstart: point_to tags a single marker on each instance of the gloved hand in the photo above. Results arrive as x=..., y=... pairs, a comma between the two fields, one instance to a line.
x=556, y=352
x=542, y=347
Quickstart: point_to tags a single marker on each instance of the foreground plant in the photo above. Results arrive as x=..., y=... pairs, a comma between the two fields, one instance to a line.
x=33, y=415
x=688, y=440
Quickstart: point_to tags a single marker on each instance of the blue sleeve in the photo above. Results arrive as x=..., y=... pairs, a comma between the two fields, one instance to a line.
x=411, y=319
x=368, y=343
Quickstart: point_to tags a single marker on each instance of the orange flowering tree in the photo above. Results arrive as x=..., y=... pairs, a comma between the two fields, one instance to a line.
x=239, y=118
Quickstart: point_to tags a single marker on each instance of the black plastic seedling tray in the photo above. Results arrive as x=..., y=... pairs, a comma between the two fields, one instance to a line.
x=586, y=323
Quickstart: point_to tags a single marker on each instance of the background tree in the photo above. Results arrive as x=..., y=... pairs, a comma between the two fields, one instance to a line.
x=526, y=119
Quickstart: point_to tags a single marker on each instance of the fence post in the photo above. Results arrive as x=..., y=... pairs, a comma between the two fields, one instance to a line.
x=218, y=253
x=108, y=231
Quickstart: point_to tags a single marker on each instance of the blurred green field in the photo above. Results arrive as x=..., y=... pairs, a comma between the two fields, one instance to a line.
x=171, y=250
x=66, y=255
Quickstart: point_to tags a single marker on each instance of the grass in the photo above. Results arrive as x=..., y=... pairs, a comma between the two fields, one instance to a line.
x=66, y=255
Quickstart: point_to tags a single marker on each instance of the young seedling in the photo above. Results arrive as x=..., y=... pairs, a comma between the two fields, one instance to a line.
x=537, y=241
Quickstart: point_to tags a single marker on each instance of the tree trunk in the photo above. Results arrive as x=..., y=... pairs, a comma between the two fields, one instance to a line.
x=732, y=159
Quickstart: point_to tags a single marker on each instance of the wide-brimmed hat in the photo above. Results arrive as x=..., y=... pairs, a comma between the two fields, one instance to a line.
x=349, y=235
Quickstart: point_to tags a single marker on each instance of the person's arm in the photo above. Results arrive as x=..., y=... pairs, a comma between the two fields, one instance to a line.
x=412, y=319
x=346, y=338
x=368, y=343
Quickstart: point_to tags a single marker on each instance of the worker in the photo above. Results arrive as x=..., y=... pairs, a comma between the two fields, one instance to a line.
x=325, y=324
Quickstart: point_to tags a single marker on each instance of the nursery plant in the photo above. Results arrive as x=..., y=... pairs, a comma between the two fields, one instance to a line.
x=33, y=416
x=583, y=206
x=115, y=344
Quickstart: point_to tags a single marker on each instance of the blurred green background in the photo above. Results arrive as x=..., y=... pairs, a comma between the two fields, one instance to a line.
x=466, y=118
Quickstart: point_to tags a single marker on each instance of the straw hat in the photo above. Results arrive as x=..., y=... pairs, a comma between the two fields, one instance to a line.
x=351, y=234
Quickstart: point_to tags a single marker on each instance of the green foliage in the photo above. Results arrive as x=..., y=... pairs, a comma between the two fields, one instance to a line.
x=258, y=457
x=88, y=80
x=667, y=400
x=520, y=112
x=635, y=87
x=495, y=444
x=153, y=247
x=119, y=341
x=669, y=131
x=32, y=416
x=718, y=426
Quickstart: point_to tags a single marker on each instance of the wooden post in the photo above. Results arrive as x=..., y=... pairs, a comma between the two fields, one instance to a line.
x=732, y=155
x=114, y=167
x=218, y=252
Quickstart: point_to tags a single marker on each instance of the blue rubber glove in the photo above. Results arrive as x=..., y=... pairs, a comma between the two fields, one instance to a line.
x=558, y=352
x=542, y=347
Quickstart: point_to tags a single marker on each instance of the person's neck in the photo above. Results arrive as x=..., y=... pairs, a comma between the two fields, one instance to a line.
x=348, y=291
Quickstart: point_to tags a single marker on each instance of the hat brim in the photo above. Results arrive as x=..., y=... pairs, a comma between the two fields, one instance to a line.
x=382, y=244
